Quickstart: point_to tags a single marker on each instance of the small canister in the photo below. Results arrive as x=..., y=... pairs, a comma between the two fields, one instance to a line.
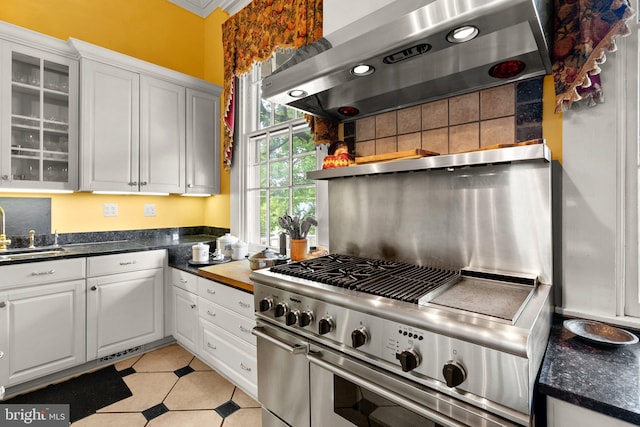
x=200, y=252
x=225, y=244
x=240, y=250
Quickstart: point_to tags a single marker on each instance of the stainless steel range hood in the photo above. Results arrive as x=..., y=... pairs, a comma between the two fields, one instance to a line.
x=413, y=60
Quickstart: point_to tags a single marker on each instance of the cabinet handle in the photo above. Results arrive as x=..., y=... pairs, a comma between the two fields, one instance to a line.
x=5, y=177
x=133, y=183
x=127, y=263
x=245, y=330
x=93, y=288
x=244, y=367
x=42, y=273
x=212, y=347
x=211, y=291
x=1, y=354
x=189, y=185
x=143, y=183
x=211, y=313
x=183, y=281
x=193, y=306
x=3, y=304
x=244, y=304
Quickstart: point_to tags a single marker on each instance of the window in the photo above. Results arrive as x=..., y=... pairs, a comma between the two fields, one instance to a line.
x=275, y=152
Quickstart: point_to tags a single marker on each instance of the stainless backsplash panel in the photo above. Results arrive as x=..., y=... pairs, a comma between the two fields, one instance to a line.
x=495, y=217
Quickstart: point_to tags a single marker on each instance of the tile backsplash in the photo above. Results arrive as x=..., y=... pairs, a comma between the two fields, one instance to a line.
x=500, y=115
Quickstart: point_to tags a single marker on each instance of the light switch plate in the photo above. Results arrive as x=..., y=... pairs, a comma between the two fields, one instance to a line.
x=110, y=209
x=150, y=210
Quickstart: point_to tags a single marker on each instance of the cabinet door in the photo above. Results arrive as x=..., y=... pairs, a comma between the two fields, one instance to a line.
x=39, y=124
x=185, y=311
x=109, y=128
x=162, y=136
x=44, y=330
x=203, y=143
x=123, y=311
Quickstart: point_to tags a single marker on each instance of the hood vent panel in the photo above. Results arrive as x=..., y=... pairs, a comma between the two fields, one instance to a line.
x=413, y=60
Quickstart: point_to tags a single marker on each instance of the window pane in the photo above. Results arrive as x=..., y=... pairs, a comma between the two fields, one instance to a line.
x=262, y=147
x=304, y=204
x=256, y=215
x=300, y=167
x=303, y=141
x=264, y=110
x=279, y=206
x=279, y=146
x=283, y=114
x=279, y=174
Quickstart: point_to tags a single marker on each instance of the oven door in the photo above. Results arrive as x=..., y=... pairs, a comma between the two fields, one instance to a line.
x=283, y=377
x=346, y=392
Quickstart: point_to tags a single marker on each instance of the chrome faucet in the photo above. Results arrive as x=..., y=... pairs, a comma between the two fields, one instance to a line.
x=32, y=235
x=4, y=242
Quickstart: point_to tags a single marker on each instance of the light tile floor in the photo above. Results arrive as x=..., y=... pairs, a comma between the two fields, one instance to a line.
x=171, y=387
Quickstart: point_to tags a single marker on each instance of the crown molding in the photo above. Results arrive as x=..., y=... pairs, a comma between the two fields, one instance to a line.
x=204, y=8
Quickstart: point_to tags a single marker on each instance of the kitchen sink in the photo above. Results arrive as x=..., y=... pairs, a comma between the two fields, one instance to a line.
x=17, y=254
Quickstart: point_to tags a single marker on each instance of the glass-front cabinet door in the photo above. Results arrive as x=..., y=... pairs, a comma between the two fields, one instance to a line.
x=40, y=120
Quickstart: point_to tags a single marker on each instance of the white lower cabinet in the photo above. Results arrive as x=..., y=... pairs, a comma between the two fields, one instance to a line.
x=42, y=313
x=220, y=319
x=185, y=314
x=561, y=414
x=125, y=302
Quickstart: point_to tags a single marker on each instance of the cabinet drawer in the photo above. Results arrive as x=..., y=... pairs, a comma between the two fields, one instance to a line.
x=227, y=296
x=236, y=325
x=184, y=280
x=124, y=262
x=36, y=273
x=234, y=358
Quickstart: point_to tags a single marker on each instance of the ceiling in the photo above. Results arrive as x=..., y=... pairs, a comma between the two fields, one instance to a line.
x=205, y=7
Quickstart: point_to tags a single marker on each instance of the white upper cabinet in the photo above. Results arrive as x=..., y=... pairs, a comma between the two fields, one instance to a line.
x=38, y=112
x=144, y=128
x=203, y=151
x=162, y=136
x=109, y=128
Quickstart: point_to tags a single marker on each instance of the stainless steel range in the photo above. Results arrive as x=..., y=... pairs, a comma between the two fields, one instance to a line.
x=443, y=329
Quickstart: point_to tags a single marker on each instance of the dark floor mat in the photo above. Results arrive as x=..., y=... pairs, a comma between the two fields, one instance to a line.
x=84, y=394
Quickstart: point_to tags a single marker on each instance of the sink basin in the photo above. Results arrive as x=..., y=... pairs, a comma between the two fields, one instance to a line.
x=16, y=254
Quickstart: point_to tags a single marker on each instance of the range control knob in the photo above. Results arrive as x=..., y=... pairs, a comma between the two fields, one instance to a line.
x=292, y=317
x=326, y=325
x=281, y=309
x=409, y=359
x=454, y=373
x=359, y=337
x=306, y=318
x=265, y=304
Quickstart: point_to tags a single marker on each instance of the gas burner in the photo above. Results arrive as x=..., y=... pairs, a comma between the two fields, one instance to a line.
x=394, y=280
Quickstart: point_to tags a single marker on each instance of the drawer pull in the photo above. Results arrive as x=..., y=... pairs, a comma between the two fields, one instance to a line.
x=3, y=304
x=212, y=347
x=184, y=281
x=245, y=330
x=42, y=273
x=193, y=306
x=127, y=263
x=210, y=313
x=211, y=291
x=245, y=367
x=93, y=288
x=244, y=304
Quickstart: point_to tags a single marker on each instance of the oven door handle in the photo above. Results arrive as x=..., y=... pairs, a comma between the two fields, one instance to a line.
x=292, y=349
x=316, y=359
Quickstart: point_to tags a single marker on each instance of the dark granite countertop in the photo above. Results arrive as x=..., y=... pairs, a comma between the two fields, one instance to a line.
x=605, y=379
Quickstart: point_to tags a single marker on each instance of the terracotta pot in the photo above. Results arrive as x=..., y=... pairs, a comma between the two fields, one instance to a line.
x=298, y=249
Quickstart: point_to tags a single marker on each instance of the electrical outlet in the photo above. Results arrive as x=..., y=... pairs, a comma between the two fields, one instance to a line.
x=149, y=210
x=110, y=209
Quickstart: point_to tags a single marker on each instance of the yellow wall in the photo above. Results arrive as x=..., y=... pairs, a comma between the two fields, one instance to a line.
x=156, y=31
x=551, y=122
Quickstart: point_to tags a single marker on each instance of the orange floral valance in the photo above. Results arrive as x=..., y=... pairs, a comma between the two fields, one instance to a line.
x=585, y=31
x=253, y=34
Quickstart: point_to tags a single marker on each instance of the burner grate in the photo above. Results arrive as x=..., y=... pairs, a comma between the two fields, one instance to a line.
x=389, y=279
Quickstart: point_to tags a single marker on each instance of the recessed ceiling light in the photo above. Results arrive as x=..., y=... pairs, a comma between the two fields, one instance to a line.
x=362, y=70
x=297, y=93
x=463, y=34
